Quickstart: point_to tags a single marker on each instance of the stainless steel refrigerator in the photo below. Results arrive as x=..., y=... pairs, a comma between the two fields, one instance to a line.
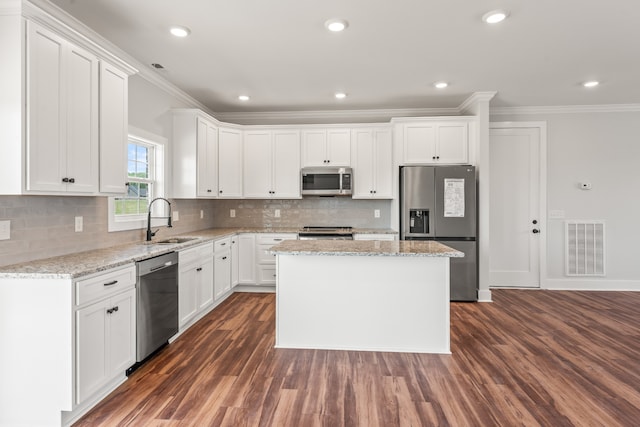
x=439, y=203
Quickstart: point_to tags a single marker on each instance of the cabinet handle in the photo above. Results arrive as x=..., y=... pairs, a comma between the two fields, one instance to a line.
x=208, y=191
x=437, y=157
x=199, y=269
x=222, y=244
x=112, y=310
x=65, y=179
x=72, y=180
x=277, y=240
x=224, y=257
x=220, y=191
x=113, y=282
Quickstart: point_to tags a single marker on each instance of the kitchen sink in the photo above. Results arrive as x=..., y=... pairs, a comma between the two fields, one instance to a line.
x=171, y=240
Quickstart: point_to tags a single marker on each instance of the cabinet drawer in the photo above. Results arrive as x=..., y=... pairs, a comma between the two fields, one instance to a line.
x=222, y=244
x=264, y=257
x=274, y=239
x=105, y=284
x=267, y=273
x=195, y=254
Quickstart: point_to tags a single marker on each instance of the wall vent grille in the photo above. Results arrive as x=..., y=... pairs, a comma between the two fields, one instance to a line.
x=584, y=246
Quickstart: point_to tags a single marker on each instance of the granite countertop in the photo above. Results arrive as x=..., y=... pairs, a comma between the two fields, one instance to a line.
x=365, y=248
x=84, y=263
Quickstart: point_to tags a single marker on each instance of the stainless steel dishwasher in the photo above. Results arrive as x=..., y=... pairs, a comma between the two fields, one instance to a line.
x=157, y=294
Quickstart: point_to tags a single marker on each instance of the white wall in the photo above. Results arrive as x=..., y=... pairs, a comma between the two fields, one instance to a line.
x=603, y=148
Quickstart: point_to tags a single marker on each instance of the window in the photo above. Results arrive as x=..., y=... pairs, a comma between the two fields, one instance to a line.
x=145, y=181
x=141, y=179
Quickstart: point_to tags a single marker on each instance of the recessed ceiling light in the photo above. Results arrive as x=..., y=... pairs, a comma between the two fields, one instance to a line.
x=495, y=16
x=441, y=85
x=179, y=31
x=336, y=25
x=340, y=95
x=243, y=97
x=592, y=83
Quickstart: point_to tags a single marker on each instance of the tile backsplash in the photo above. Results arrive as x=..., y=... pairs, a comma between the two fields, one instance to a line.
x=339, y=211
x=43, y=226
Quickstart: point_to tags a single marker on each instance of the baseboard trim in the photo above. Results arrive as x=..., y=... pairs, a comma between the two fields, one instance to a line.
x=255, y=288
x=591, y=285
x=484, y=295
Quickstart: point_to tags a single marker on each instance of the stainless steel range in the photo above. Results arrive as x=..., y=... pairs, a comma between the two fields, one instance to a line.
x=325, y=233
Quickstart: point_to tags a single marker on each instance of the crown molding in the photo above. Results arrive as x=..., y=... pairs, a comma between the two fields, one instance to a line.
x=567, y=109
x=331, y=116
x=475, y=98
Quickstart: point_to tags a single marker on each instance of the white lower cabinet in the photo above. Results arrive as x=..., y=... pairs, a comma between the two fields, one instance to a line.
x=266, y=262
x=247, y=259
x=222, y=267
x=105, y=319
x=195, y=282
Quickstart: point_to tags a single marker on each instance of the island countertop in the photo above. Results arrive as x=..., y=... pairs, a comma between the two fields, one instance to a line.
x=420, y=248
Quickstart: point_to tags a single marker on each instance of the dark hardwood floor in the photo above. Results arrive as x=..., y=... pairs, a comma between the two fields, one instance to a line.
x=548, y=358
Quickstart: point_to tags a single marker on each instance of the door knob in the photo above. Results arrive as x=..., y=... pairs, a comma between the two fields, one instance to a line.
x=535, y=231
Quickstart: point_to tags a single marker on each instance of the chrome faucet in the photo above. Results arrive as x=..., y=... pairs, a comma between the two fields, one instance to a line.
x=150, y=233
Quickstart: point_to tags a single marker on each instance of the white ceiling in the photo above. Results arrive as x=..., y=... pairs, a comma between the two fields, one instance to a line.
x=279, y=53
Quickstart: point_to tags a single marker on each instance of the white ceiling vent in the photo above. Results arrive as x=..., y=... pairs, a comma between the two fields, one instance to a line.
x=584, y=246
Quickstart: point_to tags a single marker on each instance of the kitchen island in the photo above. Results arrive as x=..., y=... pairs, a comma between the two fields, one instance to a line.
x=363, y=295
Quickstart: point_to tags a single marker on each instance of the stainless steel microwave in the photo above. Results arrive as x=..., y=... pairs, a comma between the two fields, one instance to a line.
x=326, y=181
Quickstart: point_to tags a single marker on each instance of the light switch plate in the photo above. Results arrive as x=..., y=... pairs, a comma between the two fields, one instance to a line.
x=201, y=214
x=79, y=224
x=376, y=213
x=277, y=213
x=176, y=216
x=232, y=213
x=5, y=230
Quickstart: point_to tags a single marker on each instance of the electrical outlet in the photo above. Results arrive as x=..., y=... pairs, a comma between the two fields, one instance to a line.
x=176, y=216
x=5, y=230
x=201, y=214
x=232, y=213
x=277, y=213
x=79, y=224
x=376, y=213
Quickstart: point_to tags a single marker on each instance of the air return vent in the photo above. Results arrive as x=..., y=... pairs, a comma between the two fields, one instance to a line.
x=584, y=245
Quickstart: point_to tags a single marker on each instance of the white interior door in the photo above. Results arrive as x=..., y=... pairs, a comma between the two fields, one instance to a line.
x=515, y=214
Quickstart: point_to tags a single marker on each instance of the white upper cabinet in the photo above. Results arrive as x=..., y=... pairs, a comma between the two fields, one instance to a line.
x=372, y=163
x=195, y=155
x=436, y=142
x=114, y=120
x=326, y=147
x=206, y=159
x=62, y=111
x=229, y=163
x=272, y=164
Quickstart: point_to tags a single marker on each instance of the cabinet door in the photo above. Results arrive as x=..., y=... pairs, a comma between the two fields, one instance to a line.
x=205, y=280
x=339, y=147
x=257, y=175
x=207, y=159
x=235, y=258
x=91, y=339
x=229, y=163
x=453, y=143
x=222, y=272
x=81, y=120
x=383, y=164
x=420, y=143
x=46, y=155
x=314, y=148
x=187, y=293
x=247, y=259
x=363, y=164
x=114, y=120
x=121, y=346
x=286, y=164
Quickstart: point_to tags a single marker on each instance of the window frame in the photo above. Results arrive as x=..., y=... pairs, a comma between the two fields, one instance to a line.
x=156, y=187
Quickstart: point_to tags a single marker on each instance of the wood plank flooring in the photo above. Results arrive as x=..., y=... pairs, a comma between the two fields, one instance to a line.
x=530, y=358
